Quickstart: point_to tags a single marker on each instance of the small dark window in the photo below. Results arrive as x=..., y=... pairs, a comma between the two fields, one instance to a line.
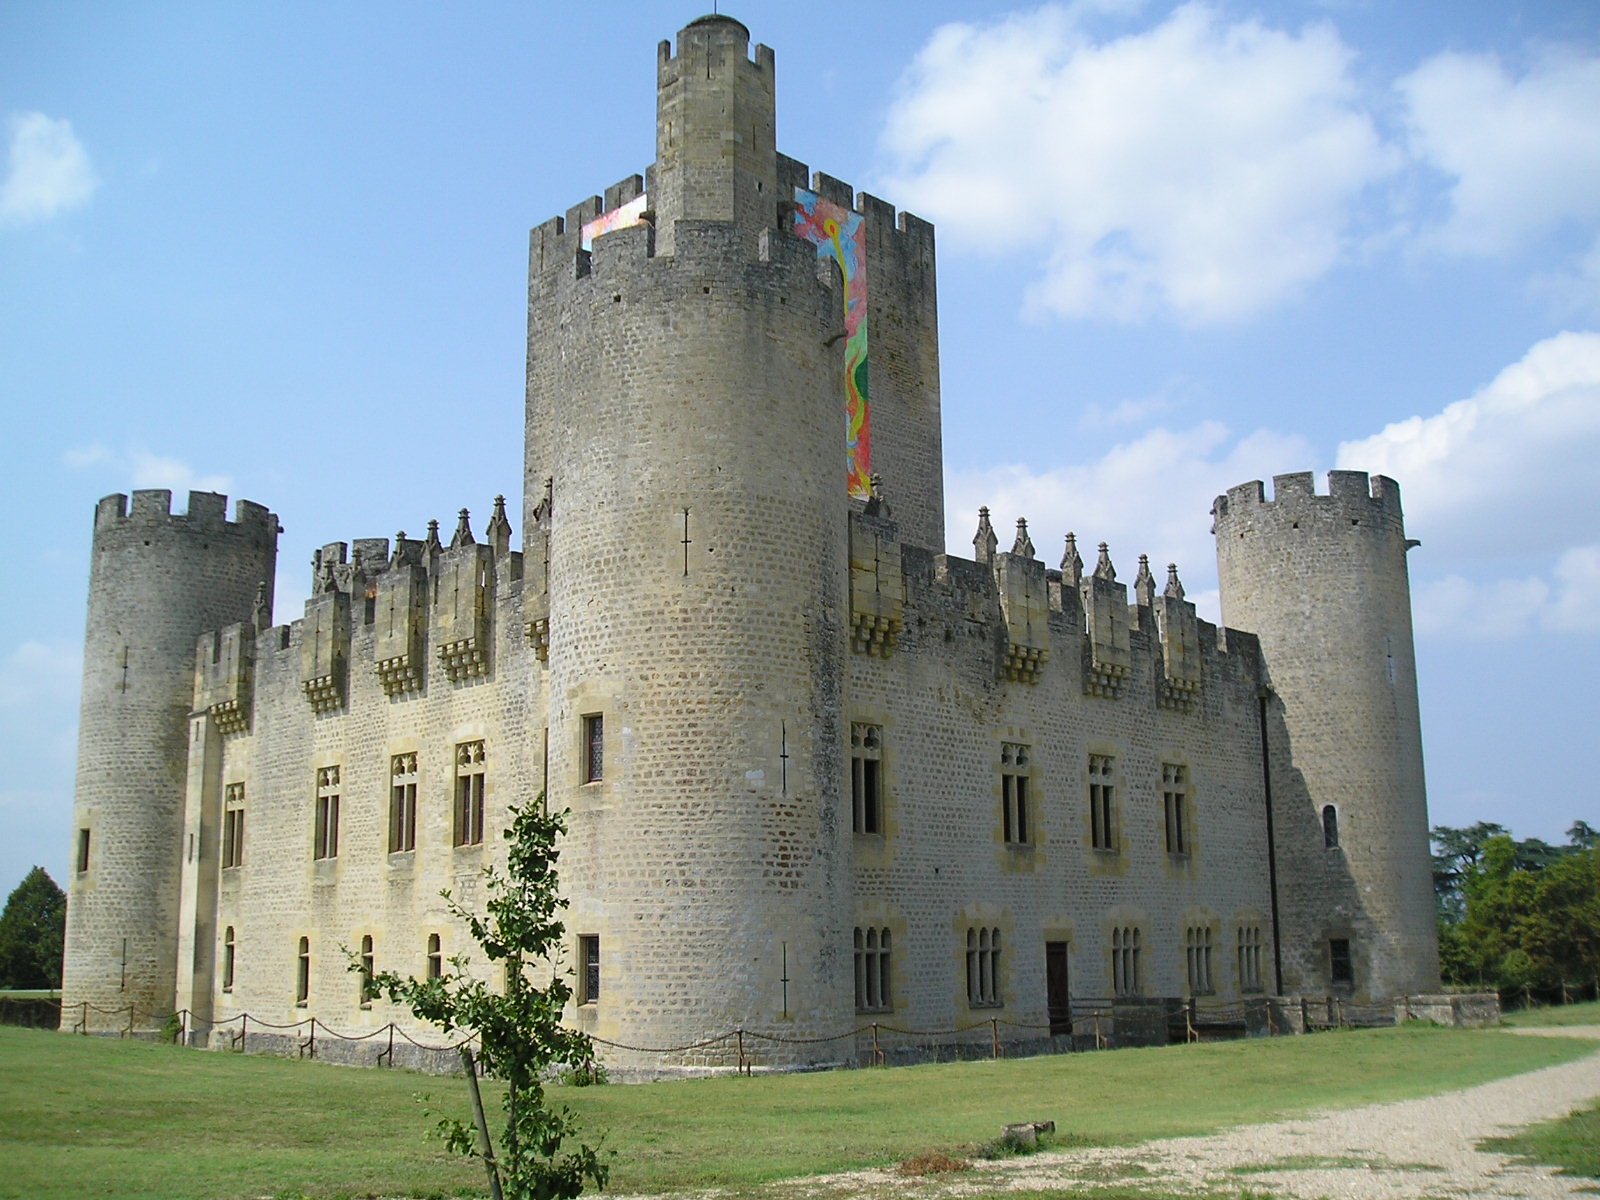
x=367, y=971
x=589, y=954
x=594, y=748
x=435, y=957
x=1330, y=827
x=1340, y=968
x=83, y=850
x=866, y=778
x=227, y=960
x=302, y=975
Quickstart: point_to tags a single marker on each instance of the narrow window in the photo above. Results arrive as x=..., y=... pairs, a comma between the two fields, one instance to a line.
x=872, y=969
x=233, y=825
x=983, y=967
x=1015, y=819
x=367, y=972
x=1340, y=968
x=1330, y=827
x=227, y=959
x=1102, y=832
x=402, y=803
x=589, y=981
x=1249, y=951
x=435, y=957
x=594, y=748
x=1175, y=800
x=1197, y=951
x=469, y=794
x=1125, y=965
x=83, y=850
x=326, y=841
x=866, y=775
x=302, y=975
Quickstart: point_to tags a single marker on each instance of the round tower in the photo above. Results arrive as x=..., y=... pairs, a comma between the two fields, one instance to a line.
x=1322, y=582
x=158, y=580
x=686, y=410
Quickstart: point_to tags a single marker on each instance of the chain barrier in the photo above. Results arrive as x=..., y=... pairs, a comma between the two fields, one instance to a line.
x=1190, y=1019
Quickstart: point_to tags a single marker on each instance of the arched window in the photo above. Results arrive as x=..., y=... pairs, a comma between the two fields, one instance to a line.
x=1330, y=826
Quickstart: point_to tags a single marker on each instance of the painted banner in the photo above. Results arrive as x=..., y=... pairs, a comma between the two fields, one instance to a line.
x=841, y=234
x=621, y=217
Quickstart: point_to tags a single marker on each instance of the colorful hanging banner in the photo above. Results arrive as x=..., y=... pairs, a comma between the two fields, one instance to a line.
x=621, y=217
x=841, y=234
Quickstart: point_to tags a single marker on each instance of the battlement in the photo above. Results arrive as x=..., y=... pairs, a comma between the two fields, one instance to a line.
x=711, y=41
x=207, y=511
x=882, y=218
x=1298, y=490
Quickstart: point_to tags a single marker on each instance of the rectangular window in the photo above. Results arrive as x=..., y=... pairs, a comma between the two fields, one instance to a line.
x=1175, y=802
x=983, y=967
x=872, y=970
x=368, y=970
x=402, y=803
x=1127, y=969
x=1015, y=819
x=302, y=974
x=1102, y=830
x=228, y=959
x=83, y=851
x=435, y=957
x=594, y=748
x=589, y=981
x=326, y=842
x=866, y=776
x=469, y=794
x=233, y=825
x=1197, y=952
x=1340, y=967
x=1249, y=958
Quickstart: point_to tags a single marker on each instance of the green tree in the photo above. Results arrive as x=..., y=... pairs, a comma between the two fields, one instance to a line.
x=33, y=929
x=1531, y=921
x=519, y=1031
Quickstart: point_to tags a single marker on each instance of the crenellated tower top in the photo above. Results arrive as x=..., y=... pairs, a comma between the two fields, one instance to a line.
x=716, y=130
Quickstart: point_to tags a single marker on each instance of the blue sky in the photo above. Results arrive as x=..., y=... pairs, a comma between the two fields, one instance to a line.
x=279, y=251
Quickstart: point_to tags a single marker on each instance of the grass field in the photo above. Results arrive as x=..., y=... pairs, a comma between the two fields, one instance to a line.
x=1572, y=1143
x=1587, y=1013
x=91, y=1117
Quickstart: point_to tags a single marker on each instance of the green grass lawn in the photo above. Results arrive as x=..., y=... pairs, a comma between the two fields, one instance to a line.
x=92, y=1117
x=1572, y=1143
x=1587, y=1013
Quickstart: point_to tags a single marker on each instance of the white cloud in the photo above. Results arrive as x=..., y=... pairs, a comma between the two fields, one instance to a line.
x=147, y=470
x=155, y=471
x=1510, y=469
x=1151, y=495
x=47, y=170
x=1524, y=152
x=1507, y=608
x=1200, y=167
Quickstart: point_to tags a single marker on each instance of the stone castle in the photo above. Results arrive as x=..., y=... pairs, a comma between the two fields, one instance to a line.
x=820, y=775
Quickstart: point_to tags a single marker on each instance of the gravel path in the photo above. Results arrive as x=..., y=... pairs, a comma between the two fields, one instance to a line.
x=1404, y=1150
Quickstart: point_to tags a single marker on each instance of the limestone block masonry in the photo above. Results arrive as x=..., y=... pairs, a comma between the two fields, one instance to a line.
x=825, y=781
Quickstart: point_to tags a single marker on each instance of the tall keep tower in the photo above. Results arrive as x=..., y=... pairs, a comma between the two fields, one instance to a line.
x=684, y=406
x=158, y=580
x=1322, y=581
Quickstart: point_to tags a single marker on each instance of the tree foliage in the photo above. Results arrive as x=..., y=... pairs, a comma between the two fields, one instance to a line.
x=520, y=1036
x=33, y=930
x=1518, y=914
